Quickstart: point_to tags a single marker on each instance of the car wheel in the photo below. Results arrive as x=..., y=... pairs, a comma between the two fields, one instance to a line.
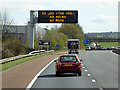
x=57, y=74
x=79, y=74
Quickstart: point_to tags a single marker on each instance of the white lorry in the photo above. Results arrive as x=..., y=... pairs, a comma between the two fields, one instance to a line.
x=93, y=46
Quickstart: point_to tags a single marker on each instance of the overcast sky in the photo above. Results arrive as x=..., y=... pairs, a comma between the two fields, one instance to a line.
x=93, y=15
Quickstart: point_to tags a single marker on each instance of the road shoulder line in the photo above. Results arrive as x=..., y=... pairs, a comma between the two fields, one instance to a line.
x=114, y=53
x=35, y=78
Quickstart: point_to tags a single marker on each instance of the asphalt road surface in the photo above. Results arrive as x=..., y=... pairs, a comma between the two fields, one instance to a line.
x=103, y=65
x=99, y=70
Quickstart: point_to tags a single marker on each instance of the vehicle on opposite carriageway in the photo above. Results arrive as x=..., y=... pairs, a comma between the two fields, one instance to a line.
x=88, y=48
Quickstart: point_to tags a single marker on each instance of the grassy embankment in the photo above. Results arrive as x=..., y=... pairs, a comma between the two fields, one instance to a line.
x=14, y=63
x=108, y=44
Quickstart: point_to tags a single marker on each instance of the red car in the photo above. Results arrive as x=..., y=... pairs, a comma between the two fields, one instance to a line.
x=68, y=63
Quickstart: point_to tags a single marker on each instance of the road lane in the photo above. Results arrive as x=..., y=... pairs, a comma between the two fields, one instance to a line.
x=98, y=66
x=48, y=80
x=103, y=65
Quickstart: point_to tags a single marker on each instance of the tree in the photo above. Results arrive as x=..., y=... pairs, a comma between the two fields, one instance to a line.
x=61, y=43
x=5, y=23
x=12, y=47
x=73, y=31
x=64, y=38
x=54, y=43
x=56, y=38
x=60, y=35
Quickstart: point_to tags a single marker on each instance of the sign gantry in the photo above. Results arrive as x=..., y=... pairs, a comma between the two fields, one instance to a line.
x=50, y=16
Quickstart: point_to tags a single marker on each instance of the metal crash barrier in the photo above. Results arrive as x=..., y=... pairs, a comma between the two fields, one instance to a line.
x=33, y=53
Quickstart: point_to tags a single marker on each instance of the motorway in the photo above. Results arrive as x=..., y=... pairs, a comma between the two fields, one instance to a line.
x=103, y=65
x=99, y=70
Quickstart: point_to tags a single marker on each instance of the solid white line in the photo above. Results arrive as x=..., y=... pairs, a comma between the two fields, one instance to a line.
x=85, y=70
x=35, y=78
x=114, y=53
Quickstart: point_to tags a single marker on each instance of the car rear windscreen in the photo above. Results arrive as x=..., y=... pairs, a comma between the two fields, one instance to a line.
x=68, y=59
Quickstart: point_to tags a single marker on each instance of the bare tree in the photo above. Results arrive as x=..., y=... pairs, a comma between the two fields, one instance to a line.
x=5, y=23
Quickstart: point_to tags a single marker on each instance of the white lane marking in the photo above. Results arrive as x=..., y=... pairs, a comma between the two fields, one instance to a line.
x=83, y=67
x=82, y=64
x=101, y=88
x=93, y=80
x=35, y=78
x=89, y=75
x=114, y=53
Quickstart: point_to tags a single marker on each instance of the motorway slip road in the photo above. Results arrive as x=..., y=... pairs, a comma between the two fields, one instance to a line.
x=21, y=75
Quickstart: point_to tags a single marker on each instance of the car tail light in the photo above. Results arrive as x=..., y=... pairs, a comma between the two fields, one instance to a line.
x=58, y=63
x=59, y=59
x=78, y=62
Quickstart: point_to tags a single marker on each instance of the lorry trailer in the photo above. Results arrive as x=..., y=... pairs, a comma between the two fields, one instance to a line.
x=73, y=46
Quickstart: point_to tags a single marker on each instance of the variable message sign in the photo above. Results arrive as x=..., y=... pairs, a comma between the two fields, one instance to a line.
x=58, y=16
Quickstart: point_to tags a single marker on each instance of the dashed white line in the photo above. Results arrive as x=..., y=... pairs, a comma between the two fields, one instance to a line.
x=93, y=80
x=89, y=75
x=83, y=67
x=32, y=82
x=100, y=88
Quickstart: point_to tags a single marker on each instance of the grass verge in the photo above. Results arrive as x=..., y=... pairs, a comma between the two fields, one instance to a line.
x=108, y=44
x=19, y=61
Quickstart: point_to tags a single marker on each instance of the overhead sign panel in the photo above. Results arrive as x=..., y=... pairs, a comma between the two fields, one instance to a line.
x=86, y=42
x=44, y=42
x=58, y=16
